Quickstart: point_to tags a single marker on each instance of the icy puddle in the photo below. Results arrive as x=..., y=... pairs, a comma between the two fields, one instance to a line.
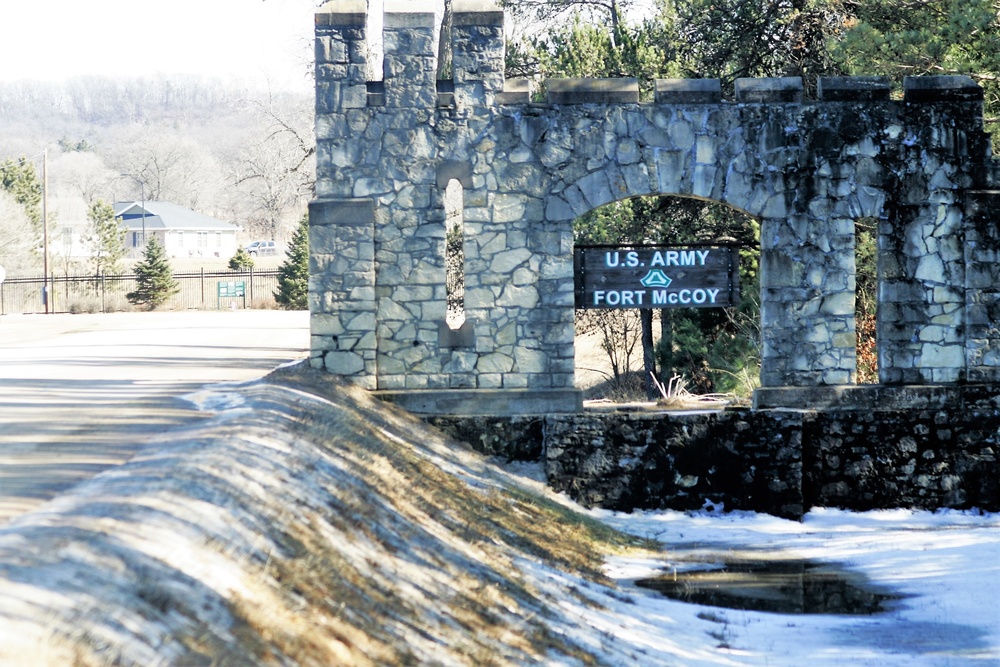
x=781, y=586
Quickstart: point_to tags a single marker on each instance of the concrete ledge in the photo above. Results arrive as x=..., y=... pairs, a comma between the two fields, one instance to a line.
x=342, y=12
x=853, y=88
x=492, y=402
x=779, y=89
x=515, y=91
x=688, y=91
x=941, y=89
x=404, y=14
x=476, y=12
x=592, y=91
x=875, y=397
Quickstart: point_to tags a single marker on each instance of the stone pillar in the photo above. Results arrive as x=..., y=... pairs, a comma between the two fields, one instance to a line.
x=477, y=52
x=410, y=281
x=807, y=302
x=922, y=302
x=410, y=64
x=982, y=285
x=341, y=90
x=341, y=227
x=341, y=66
x=342, y=288
x=807, y=262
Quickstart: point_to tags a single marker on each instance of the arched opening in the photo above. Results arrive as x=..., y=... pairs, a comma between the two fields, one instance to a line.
x=687, y=350
x=454, y=256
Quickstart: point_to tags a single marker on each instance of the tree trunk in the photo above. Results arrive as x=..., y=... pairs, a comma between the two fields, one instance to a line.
x=648, y=353
x=444, y=44
x=666, y=344
x=615, y=22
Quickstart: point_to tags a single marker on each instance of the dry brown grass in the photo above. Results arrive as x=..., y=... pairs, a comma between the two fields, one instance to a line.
x=427, y=516
x=320, y=527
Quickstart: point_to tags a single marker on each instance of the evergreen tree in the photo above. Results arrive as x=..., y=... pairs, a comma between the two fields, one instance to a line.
x=293, y=274
x=155, y=282
x=898, y=38
x=106, y=238
x=241, y=261
x=729, y=39
x=19, y=178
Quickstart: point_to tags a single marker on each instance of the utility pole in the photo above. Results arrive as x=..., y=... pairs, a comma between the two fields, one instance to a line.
x=45, y=229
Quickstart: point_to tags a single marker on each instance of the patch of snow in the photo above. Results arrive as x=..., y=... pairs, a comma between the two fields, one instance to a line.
x=946, y=565
x=213, y=400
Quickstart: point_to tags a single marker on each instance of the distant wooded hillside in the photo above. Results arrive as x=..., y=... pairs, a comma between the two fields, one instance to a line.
x=237, y=154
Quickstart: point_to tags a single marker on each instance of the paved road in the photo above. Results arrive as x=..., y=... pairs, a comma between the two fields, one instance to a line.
x=81, y=393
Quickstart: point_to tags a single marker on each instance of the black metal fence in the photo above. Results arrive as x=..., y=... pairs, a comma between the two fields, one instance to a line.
x=205, y=290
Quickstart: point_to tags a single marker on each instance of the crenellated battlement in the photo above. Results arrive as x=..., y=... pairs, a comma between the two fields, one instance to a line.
x=807, y=169
x=410, y=65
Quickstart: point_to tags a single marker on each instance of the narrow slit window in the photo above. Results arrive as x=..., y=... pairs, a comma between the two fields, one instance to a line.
x=866, y=290
x=454, y=254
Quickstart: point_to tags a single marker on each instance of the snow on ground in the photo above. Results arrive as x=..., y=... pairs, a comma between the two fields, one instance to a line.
x=300, y=530
x=945, y=565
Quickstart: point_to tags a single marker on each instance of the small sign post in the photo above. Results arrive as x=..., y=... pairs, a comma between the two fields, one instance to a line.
x=232, y=289
x=632, y=276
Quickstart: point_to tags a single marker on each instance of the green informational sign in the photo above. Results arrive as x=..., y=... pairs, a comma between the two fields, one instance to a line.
x=657, y=276
x=232, y=289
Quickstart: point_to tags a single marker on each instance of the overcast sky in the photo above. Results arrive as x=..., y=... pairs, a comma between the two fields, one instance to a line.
x=256, y=41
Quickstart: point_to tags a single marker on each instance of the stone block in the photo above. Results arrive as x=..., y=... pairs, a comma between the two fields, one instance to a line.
x=769, y=90
x=499, y=402
x=515, y=91
x=404, y=15
x=853, y=88
x=687, y=91
x=592, y=91
x=476, y=13
x=340, y=212
x=453, y=338
x=375, y=93
x=918, y=89
x=342, y=13
x=344, y=363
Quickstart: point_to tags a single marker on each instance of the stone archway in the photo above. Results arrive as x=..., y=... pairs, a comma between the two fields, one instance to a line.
x=805, y=169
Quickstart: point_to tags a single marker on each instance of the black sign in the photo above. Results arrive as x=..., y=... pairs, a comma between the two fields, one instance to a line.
x=657, y=276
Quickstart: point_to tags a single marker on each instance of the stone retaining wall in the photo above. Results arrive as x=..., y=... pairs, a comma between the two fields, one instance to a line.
x=781, y=462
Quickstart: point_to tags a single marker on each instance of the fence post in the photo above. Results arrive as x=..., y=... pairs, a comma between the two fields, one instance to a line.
x=251, y=285
x=104, y=302
x=203, y=287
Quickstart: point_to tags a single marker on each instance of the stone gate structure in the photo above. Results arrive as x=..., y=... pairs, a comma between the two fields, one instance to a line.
x=806, y=169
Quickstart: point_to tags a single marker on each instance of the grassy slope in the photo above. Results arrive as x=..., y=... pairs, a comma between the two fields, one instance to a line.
x=313, y=526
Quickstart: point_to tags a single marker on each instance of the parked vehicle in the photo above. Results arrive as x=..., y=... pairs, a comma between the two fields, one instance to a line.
x=262, y=248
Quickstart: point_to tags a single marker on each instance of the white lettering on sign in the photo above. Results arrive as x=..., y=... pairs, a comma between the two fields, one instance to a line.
x=679, y=258
x=614, y=259
x=685, y=297
x=619, y=297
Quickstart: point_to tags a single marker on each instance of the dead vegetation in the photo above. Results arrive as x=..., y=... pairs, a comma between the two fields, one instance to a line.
x=312, y=526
